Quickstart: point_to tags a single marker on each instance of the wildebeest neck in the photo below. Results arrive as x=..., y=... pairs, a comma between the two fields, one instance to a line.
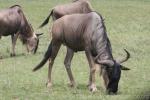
x=26, y=28
x=25, y=33
x=102, y=47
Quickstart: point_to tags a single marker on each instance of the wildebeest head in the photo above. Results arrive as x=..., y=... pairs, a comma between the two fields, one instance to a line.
x=112, y=73
x=33, y=40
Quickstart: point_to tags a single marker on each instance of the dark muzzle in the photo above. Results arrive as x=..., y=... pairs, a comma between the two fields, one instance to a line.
x=112, y=88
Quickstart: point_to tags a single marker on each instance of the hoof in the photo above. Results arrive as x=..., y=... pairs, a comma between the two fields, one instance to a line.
x=12, y=54
x=92, y=88
x=48, y=85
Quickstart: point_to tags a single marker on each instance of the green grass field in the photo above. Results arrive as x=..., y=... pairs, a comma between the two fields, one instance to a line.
x=128, y=26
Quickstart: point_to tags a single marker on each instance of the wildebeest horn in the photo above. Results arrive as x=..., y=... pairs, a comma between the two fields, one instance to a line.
x=38, y=34
x=124, y=68
x=36, y=46
x=106, y=62
x=124, y=59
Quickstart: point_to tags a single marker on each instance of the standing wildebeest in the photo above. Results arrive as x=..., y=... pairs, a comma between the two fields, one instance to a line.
x=13, y=22
x=80, y=6
x=85, y=32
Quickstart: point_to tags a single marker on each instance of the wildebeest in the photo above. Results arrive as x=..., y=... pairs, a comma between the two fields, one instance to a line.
x=13, y=22
x=85, y=32
x=80, y=6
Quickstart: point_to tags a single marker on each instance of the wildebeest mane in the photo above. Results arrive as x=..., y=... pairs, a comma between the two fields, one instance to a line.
x=26, y=30
x=104, y=27
x=103, y=24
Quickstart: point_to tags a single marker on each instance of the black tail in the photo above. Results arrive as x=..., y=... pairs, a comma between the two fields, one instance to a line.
x=46, y=20
x=46, y=57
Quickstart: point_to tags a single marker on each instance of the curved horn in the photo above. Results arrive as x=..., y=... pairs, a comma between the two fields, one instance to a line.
x=37, y=45
x=124, y=68
x=106, y=62
x=124, y=59
x=39, y=34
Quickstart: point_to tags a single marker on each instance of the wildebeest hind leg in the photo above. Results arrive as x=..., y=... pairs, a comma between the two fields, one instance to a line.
x=92, y=86
x=55, y=49
x=67, y=64
x=49, y=83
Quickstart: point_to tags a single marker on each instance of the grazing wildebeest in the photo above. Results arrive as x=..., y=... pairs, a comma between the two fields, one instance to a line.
x=80, y=6
x=13, y=22
x=85, y=32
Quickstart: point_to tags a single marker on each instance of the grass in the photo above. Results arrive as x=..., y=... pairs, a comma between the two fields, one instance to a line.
x=127, y=24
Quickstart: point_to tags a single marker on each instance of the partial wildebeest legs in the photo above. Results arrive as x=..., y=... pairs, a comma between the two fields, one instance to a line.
x=67, y=63
x=55, y=49
x=14, y=39
x=49, y=82
x=0, y=53
x=27, y=48
x=92, y=85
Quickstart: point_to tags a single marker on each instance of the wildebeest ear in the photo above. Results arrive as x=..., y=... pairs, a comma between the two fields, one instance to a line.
x=124, y=68
x=38, y=34
x=106, y=62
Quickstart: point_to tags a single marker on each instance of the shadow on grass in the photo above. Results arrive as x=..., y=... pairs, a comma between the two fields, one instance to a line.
x=8, y=56
x=143, y=95
x=82, y=87
x=18, y=55
x=100, y=90
x=85, y=87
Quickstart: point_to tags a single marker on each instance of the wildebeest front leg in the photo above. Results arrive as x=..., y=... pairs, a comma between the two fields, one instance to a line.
x=14, y=39
x=67, y=63
x=55, y=49
x=92, y=86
